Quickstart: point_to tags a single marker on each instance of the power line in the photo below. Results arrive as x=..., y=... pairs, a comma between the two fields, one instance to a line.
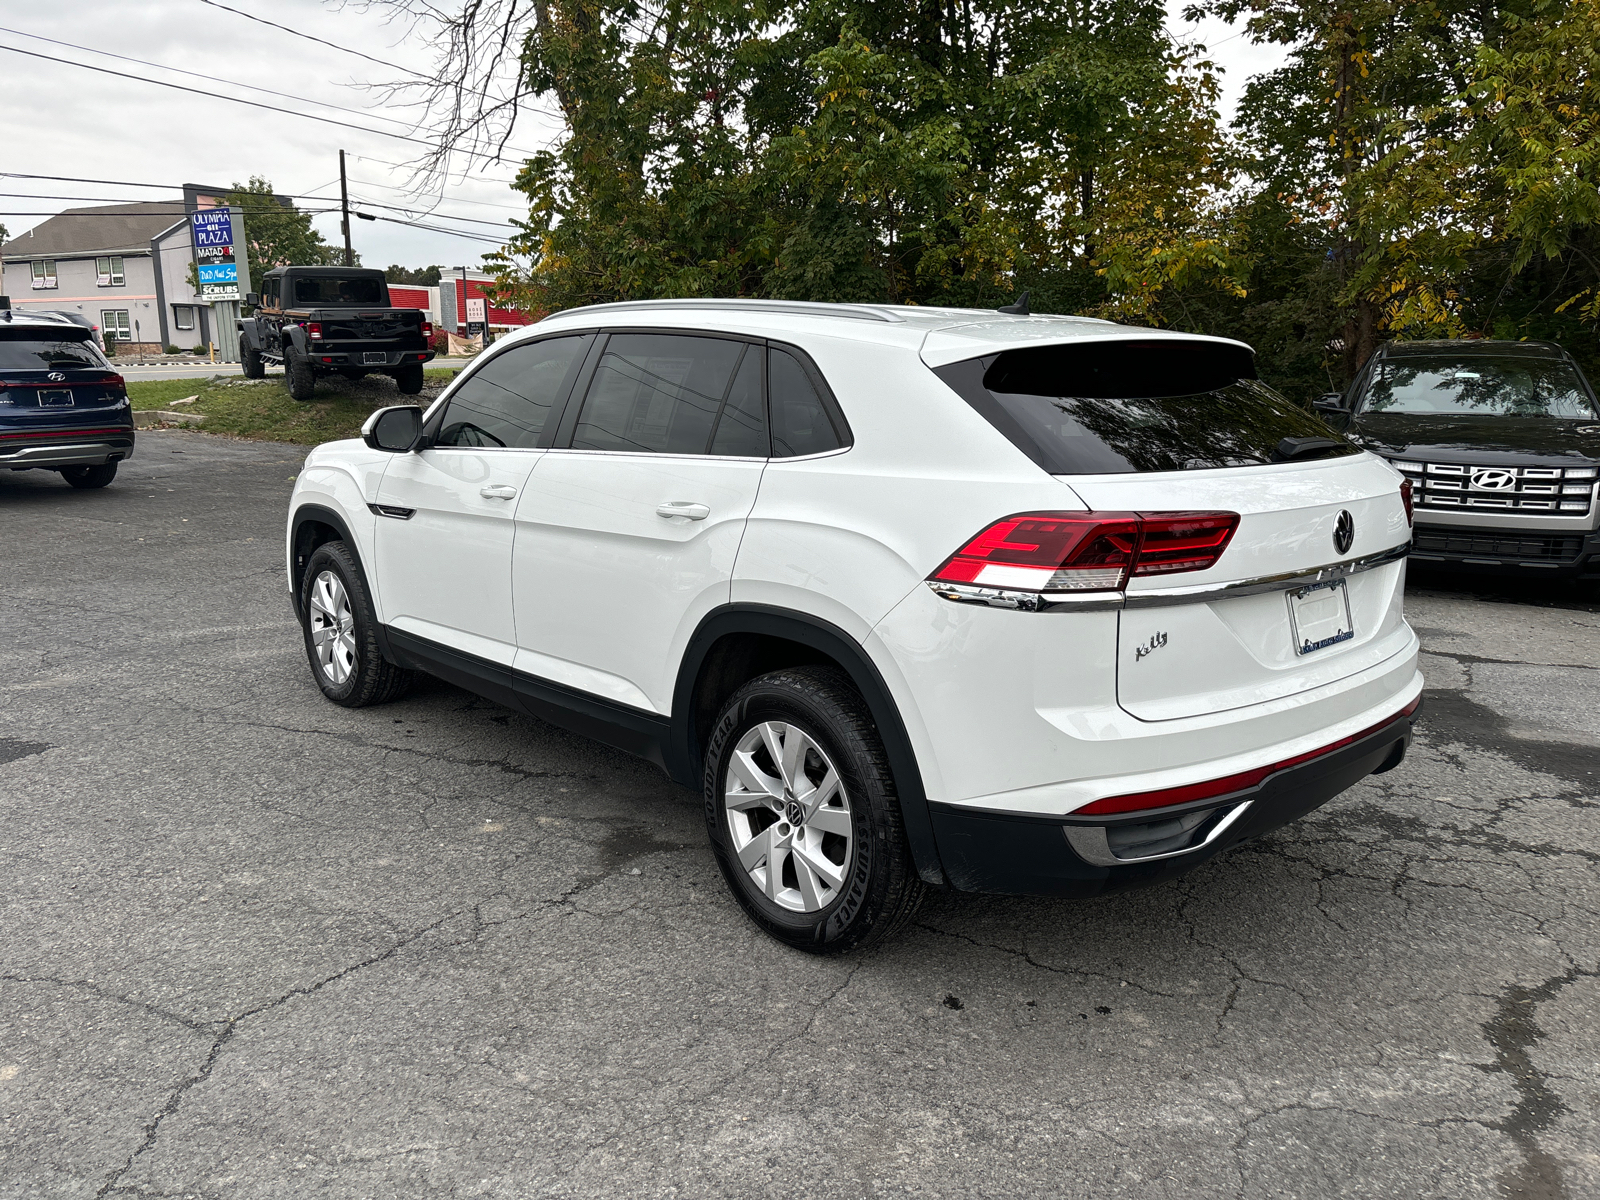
x=475, y=237
x=197, y=75
x=218, y=96
x=309, y=38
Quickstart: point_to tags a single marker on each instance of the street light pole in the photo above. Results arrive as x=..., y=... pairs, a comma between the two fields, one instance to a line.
x=344, y=213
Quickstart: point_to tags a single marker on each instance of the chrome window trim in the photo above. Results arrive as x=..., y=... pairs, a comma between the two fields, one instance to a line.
x=1202, y=594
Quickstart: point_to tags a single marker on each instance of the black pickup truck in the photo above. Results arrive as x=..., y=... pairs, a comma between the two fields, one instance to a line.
x=332, y=321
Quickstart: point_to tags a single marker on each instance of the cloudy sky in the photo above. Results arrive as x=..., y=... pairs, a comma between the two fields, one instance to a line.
x=65, y=120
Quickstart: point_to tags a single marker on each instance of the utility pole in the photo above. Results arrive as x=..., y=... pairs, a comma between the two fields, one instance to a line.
x=344, y=213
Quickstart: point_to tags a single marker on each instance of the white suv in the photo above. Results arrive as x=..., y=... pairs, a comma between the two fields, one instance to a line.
x=916, y=596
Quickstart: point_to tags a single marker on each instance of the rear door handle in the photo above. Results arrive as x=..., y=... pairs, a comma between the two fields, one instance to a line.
x=497, y=491
x=683, y=508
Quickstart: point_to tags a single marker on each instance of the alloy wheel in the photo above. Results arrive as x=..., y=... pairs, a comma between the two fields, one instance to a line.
x=789, y=816
x=333, y=628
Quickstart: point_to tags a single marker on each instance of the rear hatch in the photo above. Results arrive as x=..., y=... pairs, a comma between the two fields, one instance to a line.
x=55, y=378
x=1306, y=590
x=371, y=329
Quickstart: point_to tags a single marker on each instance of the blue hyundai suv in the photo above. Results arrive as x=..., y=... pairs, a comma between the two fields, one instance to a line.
x=62, y=405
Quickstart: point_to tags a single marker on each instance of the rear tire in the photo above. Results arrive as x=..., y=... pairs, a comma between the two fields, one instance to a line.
x=822, y=868
x=85, y=478
x=302, y=378
x=341, y=636
x=409, y=380
x=250, y=364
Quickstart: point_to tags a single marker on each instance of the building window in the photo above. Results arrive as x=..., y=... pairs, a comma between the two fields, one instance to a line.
x=183, y=316
x=109, y=271
x=115, y=324
x=44, y=273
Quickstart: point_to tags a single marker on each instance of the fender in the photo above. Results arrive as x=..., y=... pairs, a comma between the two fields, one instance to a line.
x=295, y=335
x=249, y=333
x=684, y=762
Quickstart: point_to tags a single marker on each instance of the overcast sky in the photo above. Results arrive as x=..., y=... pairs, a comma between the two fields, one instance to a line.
x=67, y=121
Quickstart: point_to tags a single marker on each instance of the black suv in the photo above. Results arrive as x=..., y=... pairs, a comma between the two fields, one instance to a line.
x=332, y=321
x=1501, y=443
x=62, y=405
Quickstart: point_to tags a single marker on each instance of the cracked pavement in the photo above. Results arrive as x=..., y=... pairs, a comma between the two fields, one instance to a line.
x=256, y=945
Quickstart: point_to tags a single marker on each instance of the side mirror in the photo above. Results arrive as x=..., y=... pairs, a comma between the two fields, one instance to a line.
x=252, y=299
x=1329, y=402
x=397, y=430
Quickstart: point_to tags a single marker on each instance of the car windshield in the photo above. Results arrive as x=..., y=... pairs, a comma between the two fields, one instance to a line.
x=55, y=352
x=1479, y=386
x=333, y=289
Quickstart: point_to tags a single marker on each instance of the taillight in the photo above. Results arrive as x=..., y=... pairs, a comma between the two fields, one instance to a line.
x=1405, y=498
x=1094, y=551
x=314, y=330
x=427, y=329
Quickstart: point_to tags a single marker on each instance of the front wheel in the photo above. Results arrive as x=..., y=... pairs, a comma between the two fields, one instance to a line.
x=803, y=815
x=250, y=364
x=299, y=373
x=341, y=633
x=90, y=477
x=409, y=380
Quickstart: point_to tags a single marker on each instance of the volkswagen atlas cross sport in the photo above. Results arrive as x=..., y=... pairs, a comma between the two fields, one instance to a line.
x=62, y=405
x=1003, y=603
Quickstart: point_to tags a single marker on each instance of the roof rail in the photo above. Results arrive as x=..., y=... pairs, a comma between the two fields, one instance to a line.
x=809, y=308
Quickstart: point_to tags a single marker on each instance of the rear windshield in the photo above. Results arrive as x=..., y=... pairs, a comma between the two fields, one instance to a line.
x=1479, y=386
x=1118, y=407
x=332, y=289
x=26, y=350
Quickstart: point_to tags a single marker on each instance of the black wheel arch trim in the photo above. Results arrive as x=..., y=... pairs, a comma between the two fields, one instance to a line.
x=323, y=515
x=684, y=762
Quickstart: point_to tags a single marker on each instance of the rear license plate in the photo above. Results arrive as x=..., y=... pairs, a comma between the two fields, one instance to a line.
x=1320, y=616
x=56, y=399
x=373, y=356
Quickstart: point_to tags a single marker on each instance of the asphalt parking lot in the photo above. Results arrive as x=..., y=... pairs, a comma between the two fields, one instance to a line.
x=256, y=945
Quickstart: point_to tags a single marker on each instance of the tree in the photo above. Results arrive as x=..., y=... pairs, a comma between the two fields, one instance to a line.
x=277, y=233
x=848, y=150
x=416, y=277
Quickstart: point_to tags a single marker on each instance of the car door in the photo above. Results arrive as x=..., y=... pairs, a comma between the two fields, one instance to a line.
x=444, y=528
x=627, y=532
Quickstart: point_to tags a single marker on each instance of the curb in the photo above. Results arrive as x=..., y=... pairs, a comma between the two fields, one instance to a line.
x=146, y=417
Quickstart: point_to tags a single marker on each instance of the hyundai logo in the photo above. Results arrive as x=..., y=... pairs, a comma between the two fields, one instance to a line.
x=1344, y=532
x=1494, y=480
x=56, y=377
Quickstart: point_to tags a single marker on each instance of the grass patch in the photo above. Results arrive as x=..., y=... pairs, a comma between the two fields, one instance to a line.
x=263, y=410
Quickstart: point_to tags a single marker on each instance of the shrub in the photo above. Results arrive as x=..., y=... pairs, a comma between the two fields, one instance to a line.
x=172, y=350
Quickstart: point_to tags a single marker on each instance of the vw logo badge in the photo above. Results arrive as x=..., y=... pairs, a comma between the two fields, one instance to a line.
x=1344, y=532
x=1494, y=480
x=795, y=812
x=56, y=377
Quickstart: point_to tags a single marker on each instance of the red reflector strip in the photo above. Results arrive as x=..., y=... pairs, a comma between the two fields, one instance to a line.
x=1228, y=784
x=65, y=433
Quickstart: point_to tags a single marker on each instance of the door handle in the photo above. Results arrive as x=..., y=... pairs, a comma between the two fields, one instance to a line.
x=683, y=508
x=497, y=491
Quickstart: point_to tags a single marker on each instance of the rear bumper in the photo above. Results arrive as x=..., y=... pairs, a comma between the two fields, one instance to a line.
x=1532, y=551
x=1020, y=854
x=335, y=357
x=65, y=449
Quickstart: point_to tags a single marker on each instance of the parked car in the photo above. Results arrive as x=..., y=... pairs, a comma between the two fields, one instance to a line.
x=1501, y=441
x=913, y=596
x=316, y=321
x=62, y=406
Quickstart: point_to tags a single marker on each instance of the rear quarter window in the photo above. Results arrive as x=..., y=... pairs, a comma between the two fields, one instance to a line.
x=1132, y=406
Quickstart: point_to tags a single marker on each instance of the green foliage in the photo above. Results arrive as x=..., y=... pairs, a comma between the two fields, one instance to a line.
x=415, y=276
x=279, y=234
x=843, y=150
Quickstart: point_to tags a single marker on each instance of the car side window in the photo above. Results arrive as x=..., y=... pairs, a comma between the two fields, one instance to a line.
x=800, y=420
x=657, y=393
x=507, y=402
x=741, y=429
